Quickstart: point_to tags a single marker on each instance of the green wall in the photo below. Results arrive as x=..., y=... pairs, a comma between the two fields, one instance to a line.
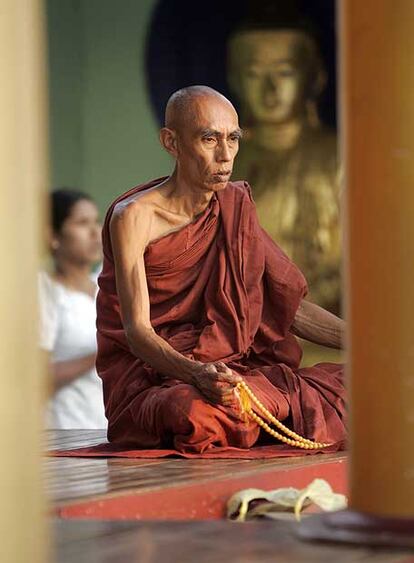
x=104, y=138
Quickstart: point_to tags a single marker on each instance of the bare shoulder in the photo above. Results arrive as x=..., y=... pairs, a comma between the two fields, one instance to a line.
x=137, y=204
x=132, y=218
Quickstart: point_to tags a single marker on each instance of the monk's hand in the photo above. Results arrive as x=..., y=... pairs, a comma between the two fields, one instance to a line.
x=216, y=382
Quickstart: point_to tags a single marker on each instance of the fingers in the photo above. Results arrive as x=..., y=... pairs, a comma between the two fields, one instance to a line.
x=225, y=374
x=218, y=387
x=231, y=377
x=218, y=393
x=226, y=396
x=225, y=400
x=221, y=373
x=221, y=367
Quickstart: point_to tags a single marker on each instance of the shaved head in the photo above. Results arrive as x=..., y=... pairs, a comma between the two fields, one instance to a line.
x=183, y=105
x=202, y=134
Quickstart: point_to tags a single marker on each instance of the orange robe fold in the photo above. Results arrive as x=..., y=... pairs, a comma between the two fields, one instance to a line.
x=220, y=289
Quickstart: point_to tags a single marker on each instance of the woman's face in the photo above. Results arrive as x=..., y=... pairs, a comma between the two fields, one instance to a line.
x=79, y=239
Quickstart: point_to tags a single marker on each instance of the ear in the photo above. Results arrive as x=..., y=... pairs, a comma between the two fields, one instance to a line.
x=168, y=139
x=53, y=242
x=319, y=82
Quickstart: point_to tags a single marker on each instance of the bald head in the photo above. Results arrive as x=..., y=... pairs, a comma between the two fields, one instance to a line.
x=184, y=105
x=202, y=133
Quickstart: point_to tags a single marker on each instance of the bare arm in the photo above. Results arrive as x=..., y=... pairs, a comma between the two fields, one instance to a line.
x=65, y=372
x=130, y=230
x=318, y=325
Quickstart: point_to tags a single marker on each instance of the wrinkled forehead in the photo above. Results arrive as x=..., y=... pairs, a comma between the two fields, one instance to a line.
x=210, y=112
x=271, y=46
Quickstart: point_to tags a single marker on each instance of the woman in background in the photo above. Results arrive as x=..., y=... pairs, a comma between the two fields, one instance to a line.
x=68, y=312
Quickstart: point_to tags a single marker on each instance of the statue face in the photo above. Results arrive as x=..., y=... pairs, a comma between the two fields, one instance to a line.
x=271, y=70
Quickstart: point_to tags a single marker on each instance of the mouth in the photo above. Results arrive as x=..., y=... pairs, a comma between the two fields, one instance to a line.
x=222, y=175
x=271, y=103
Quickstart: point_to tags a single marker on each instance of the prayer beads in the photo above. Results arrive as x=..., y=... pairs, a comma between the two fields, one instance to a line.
x=247, y=397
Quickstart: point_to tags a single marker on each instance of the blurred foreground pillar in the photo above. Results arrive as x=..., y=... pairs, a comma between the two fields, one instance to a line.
x=378, y=98
x=23, y=180
x=377, y=107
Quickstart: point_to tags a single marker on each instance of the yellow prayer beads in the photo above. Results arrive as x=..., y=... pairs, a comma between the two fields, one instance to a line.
x=247, y=397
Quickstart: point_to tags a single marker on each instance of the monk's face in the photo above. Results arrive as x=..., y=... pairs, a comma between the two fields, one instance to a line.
x=79, y=239
x=271, y=71
x=208, y=143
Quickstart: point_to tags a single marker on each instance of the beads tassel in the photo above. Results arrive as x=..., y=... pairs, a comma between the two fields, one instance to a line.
x=245, y=403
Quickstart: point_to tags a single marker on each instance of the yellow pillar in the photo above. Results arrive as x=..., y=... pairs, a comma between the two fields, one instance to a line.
x=23, y=180
x=378, y=121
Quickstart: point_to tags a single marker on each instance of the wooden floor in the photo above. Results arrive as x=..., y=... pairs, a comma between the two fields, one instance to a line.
x=196, y=488
x=203, y=542
x=172, y=510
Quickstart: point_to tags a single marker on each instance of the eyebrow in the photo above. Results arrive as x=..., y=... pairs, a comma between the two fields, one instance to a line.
x=214, y=133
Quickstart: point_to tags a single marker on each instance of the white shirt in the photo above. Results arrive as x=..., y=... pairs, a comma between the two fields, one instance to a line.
x=68, y=332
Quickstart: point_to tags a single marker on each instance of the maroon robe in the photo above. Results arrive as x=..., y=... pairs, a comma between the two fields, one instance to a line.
x=220, y=289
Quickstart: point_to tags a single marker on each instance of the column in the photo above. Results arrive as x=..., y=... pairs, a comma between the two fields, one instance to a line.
x=23, y=180
x=378, y=121
x=377, y=133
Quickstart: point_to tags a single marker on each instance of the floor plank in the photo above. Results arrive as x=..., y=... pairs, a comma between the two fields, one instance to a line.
x=203, y=542
x=75, y=479
x=98, y=482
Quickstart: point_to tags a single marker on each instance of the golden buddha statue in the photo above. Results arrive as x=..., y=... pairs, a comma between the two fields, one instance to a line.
x=287, y=155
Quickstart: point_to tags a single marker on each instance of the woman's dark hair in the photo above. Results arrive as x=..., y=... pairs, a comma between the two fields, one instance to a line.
x=62, y=202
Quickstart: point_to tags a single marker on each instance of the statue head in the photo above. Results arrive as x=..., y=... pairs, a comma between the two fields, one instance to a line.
x=276, y=74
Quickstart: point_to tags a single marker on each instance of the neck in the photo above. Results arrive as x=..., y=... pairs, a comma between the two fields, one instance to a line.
x=277, y=136
x=75, y=276
x=187, y=199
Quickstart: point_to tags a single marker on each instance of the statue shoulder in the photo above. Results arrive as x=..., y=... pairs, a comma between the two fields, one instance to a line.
x=324, y=140
x=247, y=155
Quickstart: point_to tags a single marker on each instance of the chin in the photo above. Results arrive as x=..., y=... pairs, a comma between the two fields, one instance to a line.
x=221, y=185
x=218, y=187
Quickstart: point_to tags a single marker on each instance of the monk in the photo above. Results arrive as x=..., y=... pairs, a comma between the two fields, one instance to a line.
x=195, y=297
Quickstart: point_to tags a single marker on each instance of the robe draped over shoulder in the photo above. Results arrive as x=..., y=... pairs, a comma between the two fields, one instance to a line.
x=219, y=289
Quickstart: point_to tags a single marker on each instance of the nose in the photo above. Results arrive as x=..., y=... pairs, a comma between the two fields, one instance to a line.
x=224, y=153
x=271, y=83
